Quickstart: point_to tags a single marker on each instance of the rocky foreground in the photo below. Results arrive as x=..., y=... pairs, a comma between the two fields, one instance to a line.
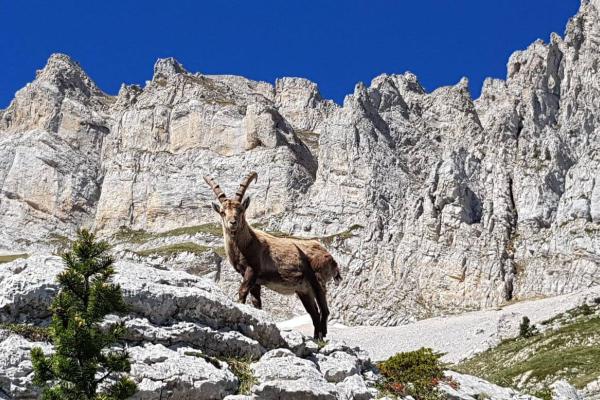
x=184, y=335
x=433, y=202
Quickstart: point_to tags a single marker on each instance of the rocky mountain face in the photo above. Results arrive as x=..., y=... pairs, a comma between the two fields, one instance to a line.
x=432, y=202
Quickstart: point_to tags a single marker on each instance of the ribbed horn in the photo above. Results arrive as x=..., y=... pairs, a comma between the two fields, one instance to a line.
x=216, y=188
x=239, y=195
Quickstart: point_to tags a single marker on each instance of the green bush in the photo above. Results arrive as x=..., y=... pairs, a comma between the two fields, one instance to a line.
x=82, y=360
x=415, y=373
x=527, y=330
x=585, y=309
x=544, y=394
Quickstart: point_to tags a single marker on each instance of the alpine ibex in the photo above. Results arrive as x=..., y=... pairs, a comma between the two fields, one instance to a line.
x=285, y=265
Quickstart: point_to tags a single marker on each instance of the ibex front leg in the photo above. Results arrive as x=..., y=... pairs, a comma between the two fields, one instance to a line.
x=247, y=283
x=321, y=296
x=309, y=304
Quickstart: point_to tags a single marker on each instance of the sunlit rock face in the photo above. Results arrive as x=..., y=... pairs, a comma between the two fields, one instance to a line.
x=431, y=202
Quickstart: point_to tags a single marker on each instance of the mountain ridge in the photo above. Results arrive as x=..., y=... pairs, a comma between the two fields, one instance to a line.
x=462, y=204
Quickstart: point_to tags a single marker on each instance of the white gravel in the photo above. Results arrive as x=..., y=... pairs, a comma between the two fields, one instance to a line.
x=458, y=336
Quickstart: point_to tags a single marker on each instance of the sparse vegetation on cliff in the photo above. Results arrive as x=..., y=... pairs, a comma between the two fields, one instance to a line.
x=126, y=234
x=568, y=348
x=11, y=257
x=173, y=249
x=31, y=332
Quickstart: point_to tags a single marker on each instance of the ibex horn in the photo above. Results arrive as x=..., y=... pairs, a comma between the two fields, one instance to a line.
x=216, y=188
x=239, y=195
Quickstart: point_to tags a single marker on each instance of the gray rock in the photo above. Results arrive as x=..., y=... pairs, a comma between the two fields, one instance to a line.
x=160, y=372
x=212, y=342
x=472, y=388
x=16, y=376
x=167, y=296
x=338, y=366
x=27, y=287
x=354, y=388
x=163, y=373
x=562, y=390
x=173, y=305
x=281, y=374
x=591, y=391
x=298, y=343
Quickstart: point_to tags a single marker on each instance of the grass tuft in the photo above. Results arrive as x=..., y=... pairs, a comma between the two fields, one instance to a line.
x=173, y=249
x=31, y=332
x=211, y=360
x=347, y=234
x=241, y=369
x=209, y=229
x=327, y=240
x=127, y=234
x=62, y=242
x=12, y=257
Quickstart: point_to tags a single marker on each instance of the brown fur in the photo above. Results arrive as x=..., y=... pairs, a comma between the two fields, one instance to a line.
x=285, y=265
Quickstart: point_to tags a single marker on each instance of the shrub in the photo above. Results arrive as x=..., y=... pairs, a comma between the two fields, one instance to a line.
x=82, y=360
x=526, y=329
x=414, y=373
x=585, y=309
x=544, y=394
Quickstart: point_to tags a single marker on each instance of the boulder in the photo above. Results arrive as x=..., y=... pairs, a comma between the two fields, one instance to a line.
x=179, y=374
x=281, y=374
x=563, y=390
x=159, y=297
x=354, y=388
x=16, y=371
x=471, y=388
x=338, y=366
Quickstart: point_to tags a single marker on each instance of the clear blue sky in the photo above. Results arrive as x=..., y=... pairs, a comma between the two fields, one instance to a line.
x=334, y=43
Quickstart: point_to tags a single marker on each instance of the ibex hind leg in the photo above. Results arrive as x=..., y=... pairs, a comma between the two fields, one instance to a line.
x=311, y=308
x=256, y=300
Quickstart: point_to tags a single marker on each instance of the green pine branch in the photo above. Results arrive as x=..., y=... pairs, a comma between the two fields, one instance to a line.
x=82, y=361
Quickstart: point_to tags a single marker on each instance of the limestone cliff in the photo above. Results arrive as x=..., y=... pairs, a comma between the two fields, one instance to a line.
x=432, y=202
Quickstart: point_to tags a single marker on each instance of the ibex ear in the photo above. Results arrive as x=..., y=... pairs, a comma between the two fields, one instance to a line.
x=216, y=207
x=246, y=203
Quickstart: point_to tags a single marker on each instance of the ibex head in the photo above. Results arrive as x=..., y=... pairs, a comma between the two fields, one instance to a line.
x=231, y=210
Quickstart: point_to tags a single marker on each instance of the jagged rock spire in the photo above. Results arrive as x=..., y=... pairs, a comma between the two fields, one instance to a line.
x=167, y=67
